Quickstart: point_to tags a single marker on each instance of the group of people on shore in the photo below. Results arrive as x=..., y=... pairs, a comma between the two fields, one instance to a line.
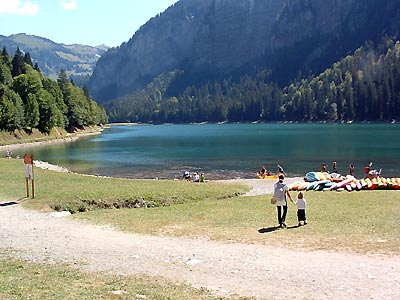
x=264, y=172
x=195, y=177
x=335, y=170
x=9, y=154
x=369, y=172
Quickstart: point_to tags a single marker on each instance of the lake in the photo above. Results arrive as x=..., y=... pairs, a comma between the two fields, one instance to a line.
x=225, y=151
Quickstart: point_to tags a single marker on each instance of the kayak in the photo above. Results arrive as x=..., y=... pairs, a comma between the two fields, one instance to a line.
x=267, y=176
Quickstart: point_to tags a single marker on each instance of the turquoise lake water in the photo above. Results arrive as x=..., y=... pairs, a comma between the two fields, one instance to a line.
x=228, y=150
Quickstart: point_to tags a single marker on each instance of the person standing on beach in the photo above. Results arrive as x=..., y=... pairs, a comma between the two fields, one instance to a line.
x=351, y=170
x=334, y=167
x=281, y=190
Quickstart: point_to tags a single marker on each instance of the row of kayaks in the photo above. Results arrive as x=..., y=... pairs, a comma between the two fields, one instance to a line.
x=349, y=183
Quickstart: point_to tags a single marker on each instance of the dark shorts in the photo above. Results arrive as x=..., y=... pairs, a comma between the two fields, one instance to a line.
x=301, y=215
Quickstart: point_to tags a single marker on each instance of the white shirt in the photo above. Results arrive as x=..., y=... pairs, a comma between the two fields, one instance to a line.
x=301, y=203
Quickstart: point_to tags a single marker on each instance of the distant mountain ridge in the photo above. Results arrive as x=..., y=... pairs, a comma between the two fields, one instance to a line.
x=76, y=60
x=212, y=39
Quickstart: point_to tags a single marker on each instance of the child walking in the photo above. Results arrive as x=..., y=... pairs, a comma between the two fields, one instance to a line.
x=301, y=208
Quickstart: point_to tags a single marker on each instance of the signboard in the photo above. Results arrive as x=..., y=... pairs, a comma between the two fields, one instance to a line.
x=28, y=165
x=28, y=159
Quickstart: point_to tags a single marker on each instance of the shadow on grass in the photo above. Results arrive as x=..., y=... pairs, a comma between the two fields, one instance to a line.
x=269, y=229
x=275, y=228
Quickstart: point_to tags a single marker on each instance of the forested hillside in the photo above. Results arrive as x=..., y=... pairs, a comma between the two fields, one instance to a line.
x=29, y=100
x=364, y=86
x=247, y=60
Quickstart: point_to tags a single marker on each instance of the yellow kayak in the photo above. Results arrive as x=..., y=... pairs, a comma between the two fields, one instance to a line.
x=266, y=176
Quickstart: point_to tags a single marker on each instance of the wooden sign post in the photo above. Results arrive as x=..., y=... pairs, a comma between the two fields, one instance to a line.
x=28, y=162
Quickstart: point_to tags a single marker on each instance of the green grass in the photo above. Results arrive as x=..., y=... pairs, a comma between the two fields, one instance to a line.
x=365, y=221
x=22, y=280
x=65, y=191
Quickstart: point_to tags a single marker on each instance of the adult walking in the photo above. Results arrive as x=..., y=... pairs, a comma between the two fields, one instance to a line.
x=281, y=190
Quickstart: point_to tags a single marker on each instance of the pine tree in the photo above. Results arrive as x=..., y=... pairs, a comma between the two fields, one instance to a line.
x=36, y=68
x=5, y=58
x=28, y=59
x=18, y=64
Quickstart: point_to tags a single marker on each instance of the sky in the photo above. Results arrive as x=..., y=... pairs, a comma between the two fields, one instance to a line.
x=88, y=22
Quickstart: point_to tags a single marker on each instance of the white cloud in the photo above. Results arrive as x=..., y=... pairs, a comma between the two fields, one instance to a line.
x=18, y=7
x=69, y=5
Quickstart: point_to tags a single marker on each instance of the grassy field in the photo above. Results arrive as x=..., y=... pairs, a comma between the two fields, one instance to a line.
x=20, y=281
x=365, y=221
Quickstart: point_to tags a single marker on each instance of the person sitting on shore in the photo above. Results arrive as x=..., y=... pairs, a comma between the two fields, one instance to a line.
x=186, y=176
x=280, y=170
x=202, y=177
x=196, y=177
x=262, y=171
x=372, y=173
x=367, y=169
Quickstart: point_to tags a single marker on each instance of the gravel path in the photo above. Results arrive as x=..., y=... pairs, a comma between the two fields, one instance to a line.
x=248, y=270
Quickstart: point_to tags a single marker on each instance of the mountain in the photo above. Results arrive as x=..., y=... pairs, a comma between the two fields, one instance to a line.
x=209, y=40
x=76, y=60
x=256, y=60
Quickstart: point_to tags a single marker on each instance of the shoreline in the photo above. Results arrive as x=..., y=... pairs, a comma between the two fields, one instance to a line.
x=71, y=137
x=257, y=186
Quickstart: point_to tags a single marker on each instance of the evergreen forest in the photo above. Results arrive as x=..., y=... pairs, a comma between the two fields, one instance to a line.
x=29, y=100
x=363, y=87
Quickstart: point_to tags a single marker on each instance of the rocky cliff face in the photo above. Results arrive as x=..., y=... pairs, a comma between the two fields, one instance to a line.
x=212, y=35
x=234, y=32
x=220, y=36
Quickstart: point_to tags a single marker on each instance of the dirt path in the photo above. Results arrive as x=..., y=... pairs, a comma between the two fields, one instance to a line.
x=248, y=270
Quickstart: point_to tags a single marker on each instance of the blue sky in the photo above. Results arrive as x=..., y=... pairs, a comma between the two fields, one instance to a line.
x=89, y=22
